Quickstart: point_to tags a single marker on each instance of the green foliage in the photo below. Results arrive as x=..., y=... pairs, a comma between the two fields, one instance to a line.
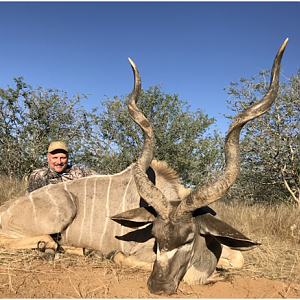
x=271, y=144
x=182, y=137
x=30, y=119
x=106, y=141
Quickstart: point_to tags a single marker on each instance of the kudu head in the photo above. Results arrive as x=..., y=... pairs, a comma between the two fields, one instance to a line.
x=177, y=224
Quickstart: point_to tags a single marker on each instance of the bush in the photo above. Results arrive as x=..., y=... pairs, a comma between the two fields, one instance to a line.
x=11, y=188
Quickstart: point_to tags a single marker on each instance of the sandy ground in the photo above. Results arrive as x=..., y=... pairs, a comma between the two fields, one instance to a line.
x=37, y=278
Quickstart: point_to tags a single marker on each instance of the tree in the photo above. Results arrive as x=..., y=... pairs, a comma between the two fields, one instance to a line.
x=182, y=137
x=271, y=144
x=30, y=119
x=106, y=141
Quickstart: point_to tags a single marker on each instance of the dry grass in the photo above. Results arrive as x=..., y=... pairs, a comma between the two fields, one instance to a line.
x=10, y=257
x=26, y=273
x=11, y=188
x=278, y=231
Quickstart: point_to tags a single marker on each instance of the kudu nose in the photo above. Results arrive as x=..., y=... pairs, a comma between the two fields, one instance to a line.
x=158, y=286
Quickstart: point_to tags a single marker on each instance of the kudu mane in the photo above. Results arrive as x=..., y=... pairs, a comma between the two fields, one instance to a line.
x=164, y=170
x=168, y=180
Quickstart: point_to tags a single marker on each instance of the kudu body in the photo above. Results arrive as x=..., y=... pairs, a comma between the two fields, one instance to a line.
x=177, y=232
x=79, y=211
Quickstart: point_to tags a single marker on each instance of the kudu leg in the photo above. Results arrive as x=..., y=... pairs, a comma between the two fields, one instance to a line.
x=73, y=250
x=82, y=251
x=132, y=262
x=42, y=242
x=230, y=259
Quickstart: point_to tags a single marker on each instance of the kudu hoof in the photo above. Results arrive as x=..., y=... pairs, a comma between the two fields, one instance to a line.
x=49, y=254
x=111, y=255
x=93, y=253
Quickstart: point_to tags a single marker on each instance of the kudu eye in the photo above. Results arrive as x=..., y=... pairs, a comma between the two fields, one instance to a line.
x=189, y=241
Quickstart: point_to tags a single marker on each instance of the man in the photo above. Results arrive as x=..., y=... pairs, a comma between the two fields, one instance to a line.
x=58, y=169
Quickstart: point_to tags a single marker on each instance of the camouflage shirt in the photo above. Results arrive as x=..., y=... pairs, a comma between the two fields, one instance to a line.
x=44, y=176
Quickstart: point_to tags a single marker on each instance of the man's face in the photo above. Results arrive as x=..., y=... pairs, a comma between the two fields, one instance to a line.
x=58, y=160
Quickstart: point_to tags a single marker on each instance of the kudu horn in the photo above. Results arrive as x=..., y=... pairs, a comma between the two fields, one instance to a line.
x=211, y=192
x=146, y=189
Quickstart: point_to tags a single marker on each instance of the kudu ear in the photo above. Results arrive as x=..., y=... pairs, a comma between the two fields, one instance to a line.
x=223, y=233
x=135, y=217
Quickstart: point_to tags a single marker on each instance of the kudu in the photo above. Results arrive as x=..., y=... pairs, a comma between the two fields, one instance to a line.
x=188, y=239
x=185, y=239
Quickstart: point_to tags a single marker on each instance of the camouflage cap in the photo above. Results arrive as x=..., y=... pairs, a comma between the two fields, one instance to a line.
x=58, y=145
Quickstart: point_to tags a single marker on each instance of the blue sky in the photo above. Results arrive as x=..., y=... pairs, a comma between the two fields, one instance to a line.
x=193, y=48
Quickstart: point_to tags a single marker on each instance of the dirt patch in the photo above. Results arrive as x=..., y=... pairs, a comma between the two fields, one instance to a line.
x=22, y=276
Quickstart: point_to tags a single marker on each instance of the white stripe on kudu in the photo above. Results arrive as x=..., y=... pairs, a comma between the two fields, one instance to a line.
x=107, y=211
